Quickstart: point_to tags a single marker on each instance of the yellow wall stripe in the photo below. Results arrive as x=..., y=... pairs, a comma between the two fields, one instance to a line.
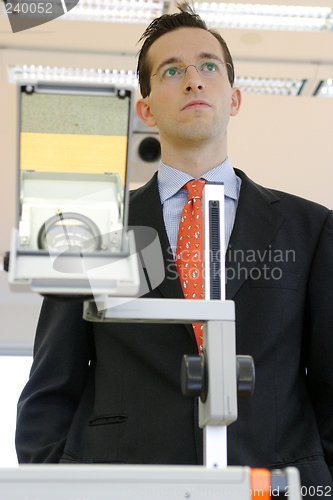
x=73, y=153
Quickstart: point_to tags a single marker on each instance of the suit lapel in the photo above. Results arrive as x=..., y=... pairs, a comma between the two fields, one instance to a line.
x=146, y=210
x=257, y=221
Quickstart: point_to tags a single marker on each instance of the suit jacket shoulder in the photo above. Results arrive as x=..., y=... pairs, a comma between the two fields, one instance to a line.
x=287, y=199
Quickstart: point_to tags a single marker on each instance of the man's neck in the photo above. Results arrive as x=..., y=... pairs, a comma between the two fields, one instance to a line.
x=194, y=161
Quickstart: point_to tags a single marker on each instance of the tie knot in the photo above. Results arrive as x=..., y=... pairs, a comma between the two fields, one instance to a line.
x=194, y=188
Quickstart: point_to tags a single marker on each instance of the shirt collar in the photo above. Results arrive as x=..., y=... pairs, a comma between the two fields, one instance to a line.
x=171, y=180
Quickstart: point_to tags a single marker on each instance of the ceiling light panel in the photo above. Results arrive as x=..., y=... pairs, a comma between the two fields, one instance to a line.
x=33, y=74
x=269, y=17
x=270, y=86
x=122, y=11
x=325, y=89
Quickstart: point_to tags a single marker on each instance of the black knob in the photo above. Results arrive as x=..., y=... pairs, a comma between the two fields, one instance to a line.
x=6, y=262
x=194, y=376
x=245, y=376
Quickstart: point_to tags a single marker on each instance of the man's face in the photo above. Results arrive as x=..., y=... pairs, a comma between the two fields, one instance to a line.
x=197, y=105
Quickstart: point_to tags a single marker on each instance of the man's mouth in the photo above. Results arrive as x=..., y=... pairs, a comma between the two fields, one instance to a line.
x=196, y=104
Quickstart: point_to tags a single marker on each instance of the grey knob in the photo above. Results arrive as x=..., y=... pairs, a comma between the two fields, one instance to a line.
x=279, y=482
x=245, y=375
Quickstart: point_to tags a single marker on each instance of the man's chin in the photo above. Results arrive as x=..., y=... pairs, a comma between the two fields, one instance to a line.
x=198, y=134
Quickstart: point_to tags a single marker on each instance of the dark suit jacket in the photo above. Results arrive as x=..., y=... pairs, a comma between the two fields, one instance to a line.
x=110, y=393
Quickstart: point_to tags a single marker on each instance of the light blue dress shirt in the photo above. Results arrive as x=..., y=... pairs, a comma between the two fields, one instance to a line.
x=173, y=196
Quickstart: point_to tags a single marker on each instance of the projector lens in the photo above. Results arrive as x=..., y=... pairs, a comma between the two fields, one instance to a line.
x=69, y=232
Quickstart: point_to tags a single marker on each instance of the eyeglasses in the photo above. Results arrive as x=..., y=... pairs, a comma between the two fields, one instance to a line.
x=174, y=73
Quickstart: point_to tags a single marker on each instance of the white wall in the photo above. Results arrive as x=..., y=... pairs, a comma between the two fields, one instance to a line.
x=286, y=143
x=19, y=314
x=14, y=373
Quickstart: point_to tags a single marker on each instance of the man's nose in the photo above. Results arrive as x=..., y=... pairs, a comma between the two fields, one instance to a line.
x=193, y=79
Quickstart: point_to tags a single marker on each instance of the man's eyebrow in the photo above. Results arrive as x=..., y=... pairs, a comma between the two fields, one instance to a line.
x=170, y=60
x=208, y=55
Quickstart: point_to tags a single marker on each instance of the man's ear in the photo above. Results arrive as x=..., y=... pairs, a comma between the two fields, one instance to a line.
x=236, y=100
x=144, y=112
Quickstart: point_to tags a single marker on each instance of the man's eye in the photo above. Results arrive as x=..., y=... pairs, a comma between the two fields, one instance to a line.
x=209, y=67
x=170, y=72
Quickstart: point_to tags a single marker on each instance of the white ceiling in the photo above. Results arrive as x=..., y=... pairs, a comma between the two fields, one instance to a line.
x=92, y=39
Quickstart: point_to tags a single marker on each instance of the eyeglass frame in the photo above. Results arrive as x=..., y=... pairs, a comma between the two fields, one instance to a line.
x=184, y=69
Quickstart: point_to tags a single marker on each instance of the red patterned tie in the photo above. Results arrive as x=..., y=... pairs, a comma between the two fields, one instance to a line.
x=189, y=254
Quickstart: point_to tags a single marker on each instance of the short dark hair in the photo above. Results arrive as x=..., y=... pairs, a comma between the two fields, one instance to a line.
x=169, y=22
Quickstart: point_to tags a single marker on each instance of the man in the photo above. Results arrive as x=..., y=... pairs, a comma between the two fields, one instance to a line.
x=109, y=393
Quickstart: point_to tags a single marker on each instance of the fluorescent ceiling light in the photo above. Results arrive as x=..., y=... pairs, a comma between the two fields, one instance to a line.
x=33, y=74
x=325, y=88
x=26, y=74
x=122, y=11
x=270, y=17
x=270, y=86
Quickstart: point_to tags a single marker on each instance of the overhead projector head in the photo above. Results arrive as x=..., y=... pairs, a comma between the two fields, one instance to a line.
x=71, y=235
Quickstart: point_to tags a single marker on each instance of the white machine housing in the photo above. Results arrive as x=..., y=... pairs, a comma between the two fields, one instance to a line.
x=100, y=198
